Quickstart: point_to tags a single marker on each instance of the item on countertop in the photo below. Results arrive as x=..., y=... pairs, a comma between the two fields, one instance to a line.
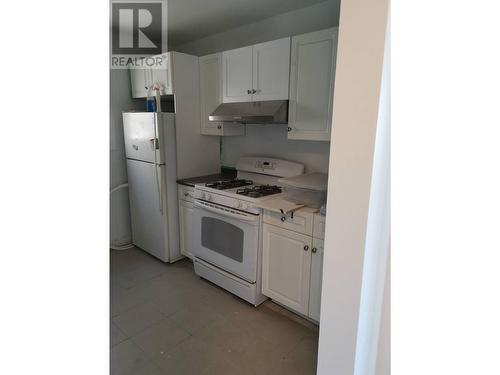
x=281, y=206
x=322, y=209
x=308, y=189
x=150, y=104
x=157, y=89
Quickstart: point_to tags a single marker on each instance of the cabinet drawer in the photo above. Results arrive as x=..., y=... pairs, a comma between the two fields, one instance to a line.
x=185, y=193
x=301, y=222
x=319, y=226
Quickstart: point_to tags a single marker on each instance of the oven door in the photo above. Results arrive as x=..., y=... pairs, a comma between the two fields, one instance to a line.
x=226, y=238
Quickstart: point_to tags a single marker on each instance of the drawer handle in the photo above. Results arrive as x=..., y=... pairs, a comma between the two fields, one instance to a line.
x=313, y=250
x=306, y=248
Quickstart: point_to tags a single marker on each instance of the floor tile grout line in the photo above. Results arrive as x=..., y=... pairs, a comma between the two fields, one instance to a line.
x=196, y=290
x=145, y=355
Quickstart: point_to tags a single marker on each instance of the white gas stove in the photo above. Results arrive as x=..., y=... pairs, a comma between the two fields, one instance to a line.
x=256, y=181
x=227, y=224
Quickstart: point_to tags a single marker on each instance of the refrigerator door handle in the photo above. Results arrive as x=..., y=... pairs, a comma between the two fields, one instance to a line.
x=158, y=185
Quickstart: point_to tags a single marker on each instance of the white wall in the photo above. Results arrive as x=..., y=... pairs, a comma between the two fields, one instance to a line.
x=271, y=140
x=360, y=55
x=377, y=236
x=383, y=362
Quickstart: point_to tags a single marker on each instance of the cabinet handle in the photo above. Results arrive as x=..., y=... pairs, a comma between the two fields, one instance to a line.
x=186, y=194
x=313, y=250
x=306, y=248
x=254, y=91
x=249, y=91
x=283, y=218
x=289, y=129
x=219, y=127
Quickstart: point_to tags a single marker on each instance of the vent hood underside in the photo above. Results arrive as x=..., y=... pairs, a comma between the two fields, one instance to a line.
x=266, y=112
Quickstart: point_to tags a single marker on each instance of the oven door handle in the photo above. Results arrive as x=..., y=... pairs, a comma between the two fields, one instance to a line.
x=227, y=212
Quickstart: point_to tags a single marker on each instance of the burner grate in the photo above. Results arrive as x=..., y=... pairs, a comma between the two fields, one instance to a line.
x=228, y=184
x=259, y=191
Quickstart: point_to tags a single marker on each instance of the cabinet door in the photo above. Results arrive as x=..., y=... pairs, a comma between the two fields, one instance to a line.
x=185, y=227
x=286, y=267
x=163, y=74
x=316, y=278
x=312, y=75
x=210, y=92
x=139, y=82
x=237, y=75
x=271, y=70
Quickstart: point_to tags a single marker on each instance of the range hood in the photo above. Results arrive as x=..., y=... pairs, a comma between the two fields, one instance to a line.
x=266, y=112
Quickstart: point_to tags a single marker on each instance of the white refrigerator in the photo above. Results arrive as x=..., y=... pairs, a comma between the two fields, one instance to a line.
x=150, y=148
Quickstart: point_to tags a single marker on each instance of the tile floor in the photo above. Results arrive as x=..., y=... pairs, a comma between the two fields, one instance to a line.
x=166, y=320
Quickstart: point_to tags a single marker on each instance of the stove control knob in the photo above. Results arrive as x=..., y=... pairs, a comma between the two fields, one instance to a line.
x=244, y=206
x=237, y=204
x=208, y=197
x=201, y=195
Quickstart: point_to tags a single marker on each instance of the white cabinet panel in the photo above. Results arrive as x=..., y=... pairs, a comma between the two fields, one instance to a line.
x=286, y=266
x=141, y=79
x=139, y=82
x=211, y=97
x=210, y=92
x=316, y=278
x=256, y=73
x=271, y=70
x=237, y=75
x=312, y=75
x=319, y=226
x=163, y=75
x=185, y=226
x=301, y=221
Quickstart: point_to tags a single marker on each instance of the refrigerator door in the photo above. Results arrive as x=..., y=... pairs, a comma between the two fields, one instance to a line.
x=140, y=130
x=149, y=223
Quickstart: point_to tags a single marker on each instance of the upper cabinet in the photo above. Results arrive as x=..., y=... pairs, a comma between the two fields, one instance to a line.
x=211, y=97
x=237, y=75
x=142, y=79
x=271, y=70
x=312, y=76
x=256, y=73
x=139, y=82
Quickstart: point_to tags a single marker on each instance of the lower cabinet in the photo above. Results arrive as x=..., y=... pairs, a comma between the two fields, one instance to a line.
x=291, y=269
x=316, y=278
x=186, y=221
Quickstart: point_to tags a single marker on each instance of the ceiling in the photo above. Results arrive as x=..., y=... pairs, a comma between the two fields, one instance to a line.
x=190, y=20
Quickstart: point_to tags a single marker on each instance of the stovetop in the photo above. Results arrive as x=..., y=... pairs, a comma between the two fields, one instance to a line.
x=228, y=184
x=258, y=191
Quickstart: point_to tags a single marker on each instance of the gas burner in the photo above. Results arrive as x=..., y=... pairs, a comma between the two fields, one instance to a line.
x=258, y=191
x=228, y=184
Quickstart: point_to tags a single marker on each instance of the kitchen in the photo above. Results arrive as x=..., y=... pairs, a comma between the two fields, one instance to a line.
x=166, y=221
x=226, y=188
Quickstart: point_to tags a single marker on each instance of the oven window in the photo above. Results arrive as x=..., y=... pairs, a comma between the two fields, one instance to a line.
x=222, y=237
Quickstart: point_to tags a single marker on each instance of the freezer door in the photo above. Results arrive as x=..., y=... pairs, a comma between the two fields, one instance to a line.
x=149, y=224
x=140, y=129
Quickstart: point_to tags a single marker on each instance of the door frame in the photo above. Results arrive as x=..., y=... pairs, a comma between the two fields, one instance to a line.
x=356, y=217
